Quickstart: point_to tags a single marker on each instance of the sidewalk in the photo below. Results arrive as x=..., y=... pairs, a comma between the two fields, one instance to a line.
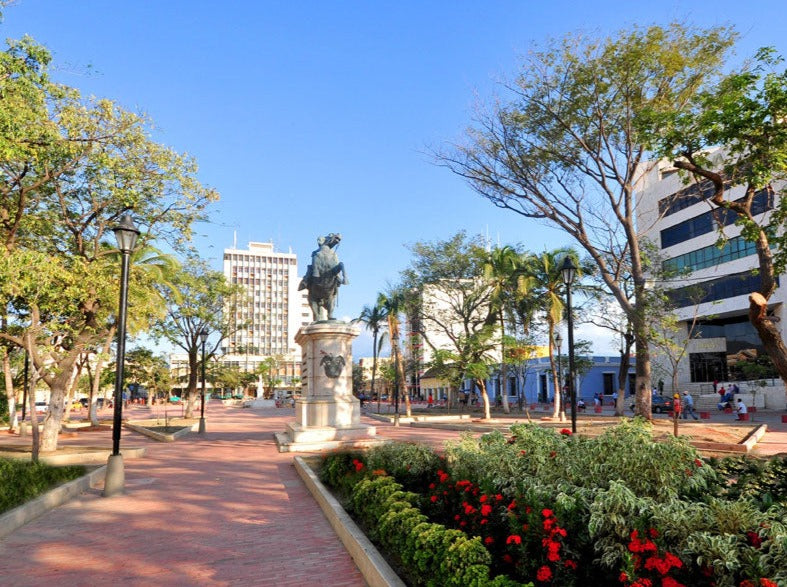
x=223, y=509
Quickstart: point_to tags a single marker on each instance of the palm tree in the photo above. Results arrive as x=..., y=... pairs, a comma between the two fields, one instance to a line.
x=547, y=290
x=503, y=271
x=374, y=317
x=393, y=303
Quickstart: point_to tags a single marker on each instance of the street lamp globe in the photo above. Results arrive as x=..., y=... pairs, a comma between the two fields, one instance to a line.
x=203, y=335
x=126, y=234
x=568, y=270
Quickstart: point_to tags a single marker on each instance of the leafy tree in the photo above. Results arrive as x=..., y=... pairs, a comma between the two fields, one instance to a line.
x=546, y=299
x=201, y=300
x=566, y=146
x=148, y=370
x=392, y=304
x=374, y=318
x=268, y=369
x=733, y=134
x=70, y=168
x=504, y=272
x=358, y=380
x=454, y=308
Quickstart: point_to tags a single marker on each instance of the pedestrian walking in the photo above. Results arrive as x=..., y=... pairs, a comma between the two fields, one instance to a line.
x=742, y=409
x=688, y=406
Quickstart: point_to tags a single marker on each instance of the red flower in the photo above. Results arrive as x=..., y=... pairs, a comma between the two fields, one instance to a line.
x=507, y=558
x=569, y=564
x=434, y=498
x=747, y=583
x=525, y=527
x=547, y=513
x=528, y=509
x=698, y=462
x=653, y=533
x=623, y=577
x=486, y=509
x=552, y=454
x=767, y=583
x=514, y=539
x=499, y=497
x=670, y=582
x=489, y=540
x=482, y=499
x=511, y=505
x=565, y=432
x=432, y=486
x=484, y=521
x=544, y=574
x=754, y=539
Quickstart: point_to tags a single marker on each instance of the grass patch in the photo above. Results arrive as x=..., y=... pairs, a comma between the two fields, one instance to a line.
x=21, y=481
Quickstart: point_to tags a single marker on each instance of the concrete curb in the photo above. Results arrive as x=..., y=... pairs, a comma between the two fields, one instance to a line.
x=418, y=418
x=19, y=516
x=375, y=570
x=161, y=436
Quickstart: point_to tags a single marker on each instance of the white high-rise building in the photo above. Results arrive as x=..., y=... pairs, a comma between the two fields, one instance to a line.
x=716, y=275
x=271, y=312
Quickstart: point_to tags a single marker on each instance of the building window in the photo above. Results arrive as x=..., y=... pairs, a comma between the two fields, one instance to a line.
x=735, y=248
x=707, y=222
x=737, y=284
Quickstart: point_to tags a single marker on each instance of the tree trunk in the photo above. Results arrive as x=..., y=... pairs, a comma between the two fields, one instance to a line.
x=485, y=398
x=642, y=404
x=10, y=394
x=57, y=397
x=31, y=406
x=402, y=385
x=96, y=383
x=623, y=375
x=769, y=334
x=191, y=389
x=503, y=366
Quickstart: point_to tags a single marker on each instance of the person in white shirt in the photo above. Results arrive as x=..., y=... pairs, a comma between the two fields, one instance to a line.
x=742, y=409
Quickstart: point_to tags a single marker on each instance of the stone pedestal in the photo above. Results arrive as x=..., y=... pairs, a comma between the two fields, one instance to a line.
x=327, y=416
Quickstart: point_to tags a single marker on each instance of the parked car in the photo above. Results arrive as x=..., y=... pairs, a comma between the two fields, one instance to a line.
x=659, y=404
x=86, y=402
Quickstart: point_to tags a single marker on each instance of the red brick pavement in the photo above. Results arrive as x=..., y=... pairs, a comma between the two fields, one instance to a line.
x=224, y=509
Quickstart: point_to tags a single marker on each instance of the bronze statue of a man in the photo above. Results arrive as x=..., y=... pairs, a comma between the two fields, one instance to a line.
x=324, y=276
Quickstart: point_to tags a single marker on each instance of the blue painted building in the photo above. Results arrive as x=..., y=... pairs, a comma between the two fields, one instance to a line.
x=534, y=380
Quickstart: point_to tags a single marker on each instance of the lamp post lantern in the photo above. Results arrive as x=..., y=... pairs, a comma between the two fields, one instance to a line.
x=126, y=234
x=203, y=335
x=559, y=343
x=568, y=272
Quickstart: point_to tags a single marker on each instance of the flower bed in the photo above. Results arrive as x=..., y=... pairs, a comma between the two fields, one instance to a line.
x=553, y=509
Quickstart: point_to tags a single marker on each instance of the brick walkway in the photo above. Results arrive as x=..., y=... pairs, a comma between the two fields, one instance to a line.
x=223, y=509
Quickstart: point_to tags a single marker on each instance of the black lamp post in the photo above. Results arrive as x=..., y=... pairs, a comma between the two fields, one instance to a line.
x=203, y=335
x=126, y=234
x=559, y=343
x=569, y=271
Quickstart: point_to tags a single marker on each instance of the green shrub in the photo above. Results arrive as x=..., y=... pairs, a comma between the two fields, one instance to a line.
x=21, y=481
x=411, y=464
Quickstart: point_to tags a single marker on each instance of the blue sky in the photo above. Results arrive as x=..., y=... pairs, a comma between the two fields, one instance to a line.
x=316, y=117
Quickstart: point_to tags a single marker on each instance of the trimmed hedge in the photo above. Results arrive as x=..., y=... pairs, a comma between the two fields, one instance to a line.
x=431, y=554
